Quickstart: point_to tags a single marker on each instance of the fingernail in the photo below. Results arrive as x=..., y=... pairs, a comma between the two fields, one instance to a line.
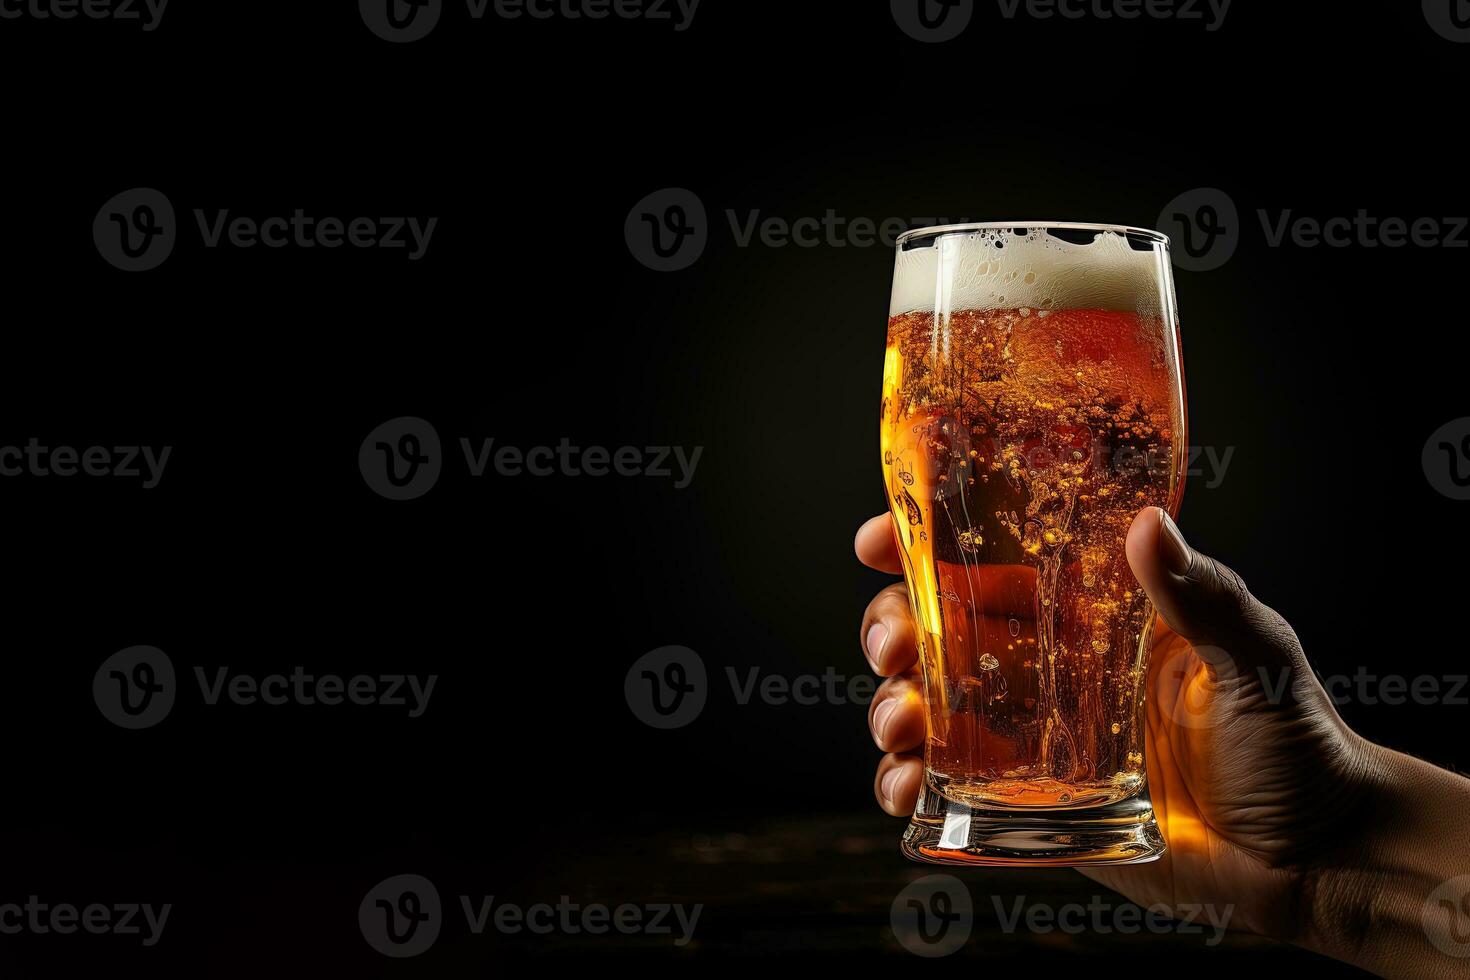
x=877, y=636
x=881, y=714
x=1176, y=554
x=889, y=786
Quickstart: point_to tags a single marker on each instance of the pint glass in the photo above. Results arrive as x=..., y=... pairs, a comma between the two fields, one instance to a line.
x=1032, y=405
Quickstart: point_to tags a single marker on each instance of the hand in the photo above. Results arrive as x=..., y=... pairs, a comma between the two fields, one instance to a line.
x=1267, y=801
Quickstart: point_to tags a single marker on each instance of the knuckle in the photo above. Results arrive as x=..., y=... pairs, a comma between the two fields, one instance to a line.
x=1258, y=619
x=892, y=602
x=896, y=593
x=894, y=687
x=1232, y=586
x=1225, y=586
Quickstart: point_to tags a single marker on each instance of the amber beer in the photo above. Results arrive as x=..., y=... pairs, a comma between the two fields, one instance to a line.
x=1032, y=406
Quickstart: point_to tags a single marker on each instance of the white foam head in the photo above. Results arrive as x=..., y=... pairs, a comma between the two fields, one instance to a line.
x=996, y=268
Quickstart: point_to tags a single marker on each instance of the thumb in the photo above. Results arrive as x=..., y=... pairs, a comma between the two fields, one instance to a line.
x=1206, y=602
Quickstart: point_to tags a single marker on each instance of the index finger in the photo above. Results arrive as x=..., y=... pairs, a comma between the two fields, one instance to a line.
x=876, y=545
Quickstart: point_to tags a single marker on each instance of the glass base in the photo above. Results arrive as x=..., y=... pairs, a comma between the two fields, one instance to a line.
x=944, y=831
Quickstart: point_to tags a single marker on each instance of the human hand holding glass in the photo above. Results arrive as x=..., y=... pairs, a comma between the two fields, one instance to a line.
x=1269, y=802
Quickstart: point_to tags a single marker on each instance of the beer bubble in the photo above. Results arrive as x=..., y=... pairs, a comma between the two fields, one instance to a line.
x=1031, y=537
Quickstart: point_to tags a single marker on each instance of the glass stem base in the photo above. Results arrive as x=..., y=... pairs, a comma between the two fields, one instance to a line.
x=944, y=831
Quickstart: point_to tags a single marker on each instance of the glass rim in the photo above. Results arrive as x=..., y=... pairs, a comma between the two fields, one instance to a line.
x=1156, y=236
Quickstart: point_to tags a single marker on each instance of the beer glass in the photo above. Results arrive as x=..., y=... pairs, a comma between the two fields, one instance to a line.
x=1032, y=405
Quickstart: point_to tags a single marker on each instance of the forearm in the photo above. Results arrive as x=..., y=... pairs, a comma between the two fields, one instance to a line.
x=1388, y=903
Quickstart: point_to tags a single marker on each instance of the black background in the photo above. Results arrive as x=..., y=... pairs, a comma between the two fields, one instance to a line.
x=528, y=321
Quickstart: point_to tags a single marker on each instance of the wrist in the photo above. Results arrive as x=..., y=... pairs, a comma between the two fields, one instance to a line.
x=1364, y=901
